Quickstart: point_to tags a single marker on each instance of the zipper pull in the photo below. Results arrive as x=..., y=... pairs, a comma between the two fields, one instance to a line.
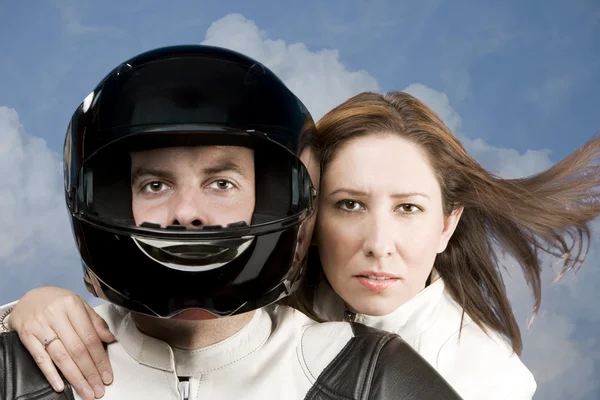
x=350, y=316
x=184, y=390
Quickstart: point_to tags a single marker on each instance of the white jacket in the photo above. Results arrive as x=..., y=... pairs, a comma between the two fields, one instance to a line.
x=280, y=354
x=293, y=351
x=478, y=366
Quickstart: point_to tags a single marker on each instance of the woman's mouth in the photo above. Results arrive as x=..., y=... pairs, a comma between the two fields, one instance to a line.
x=376, y=281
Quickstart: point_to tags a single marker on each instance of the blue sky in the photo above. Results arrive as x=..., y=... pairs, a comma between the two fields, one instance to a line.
x=525, y=75
x=518, y=83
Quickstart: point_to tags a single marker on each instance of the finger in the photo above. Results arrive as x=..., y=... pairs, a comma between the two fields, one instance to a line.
x=76, y=349
x=43, y=360
x=87, y=331
x=100, y=325
x=73, y=375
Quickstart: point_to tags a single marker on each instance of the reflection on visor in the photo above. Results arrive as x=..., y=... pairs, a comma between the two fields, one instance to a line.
x=193, y=256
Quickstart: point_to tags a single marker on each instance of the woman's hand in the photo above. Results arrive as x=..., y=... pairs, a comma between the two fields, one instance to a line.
x=74, y=332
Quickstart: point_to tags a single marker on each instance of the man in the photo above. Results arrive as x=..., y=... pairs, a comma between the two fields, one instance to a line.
x=187, y=203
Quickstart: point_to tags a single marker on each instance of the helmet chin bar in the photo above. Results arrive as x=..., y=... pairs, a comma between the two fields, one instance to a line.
x=100, y=289
x=193, y=256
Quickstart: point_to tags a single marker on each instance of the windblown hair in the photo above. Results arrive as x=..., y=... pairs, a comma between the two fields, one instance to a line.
x=548, y=213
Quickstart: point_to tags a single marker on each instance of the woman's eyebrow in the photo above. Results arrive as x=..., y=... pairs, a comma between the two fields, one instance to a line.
x=360, y=193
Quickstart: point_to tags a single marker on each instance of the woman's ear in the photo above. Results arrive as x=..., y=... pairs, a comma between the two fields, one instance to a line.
x=450, y=224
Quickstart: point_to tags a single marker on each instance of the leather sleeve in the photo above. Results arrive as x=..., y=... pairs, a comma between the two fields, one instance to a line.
x=20, y=377
x=401, y=373
x=380, y=365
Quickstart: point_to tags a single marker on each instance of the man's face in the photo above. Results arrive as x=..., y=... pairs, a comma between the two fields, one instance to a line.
x=193, y=186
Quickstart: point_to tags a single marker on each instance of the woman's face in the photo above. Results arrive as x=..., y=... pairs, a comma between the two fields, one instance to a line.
x=381, y=222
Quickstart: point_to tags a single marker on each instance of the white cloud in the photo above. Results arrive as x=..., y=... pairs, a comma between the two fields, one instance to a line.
x=73, y=24
x=551, y=94
x=35, y=239
x=561, y=348
x=31, y=182
x=318, y=78
x=507, y=163
x=36, y=246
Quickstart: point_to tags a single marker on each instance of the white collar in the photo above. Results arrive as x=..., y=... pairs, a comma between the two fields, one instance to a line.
x=410, y=319
x=158, y=354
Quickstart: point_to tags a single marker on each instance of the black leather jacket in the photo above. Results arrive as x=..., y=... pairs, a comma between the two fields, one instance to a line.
x=394, y=370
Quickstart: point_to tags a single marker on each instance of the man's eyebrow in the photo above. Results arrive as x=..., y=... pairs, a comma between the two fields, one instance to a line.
x=214, y=169
x=149, y=171
x=223, y=166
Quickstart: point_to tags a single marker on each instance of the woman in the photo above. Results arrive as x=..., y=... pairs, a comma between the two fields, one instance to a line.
x=408, y=231
x=407, y=234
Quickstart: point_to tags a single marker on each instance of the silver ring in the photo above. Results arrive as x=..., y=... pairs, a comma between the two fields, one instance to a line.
x=46, y=342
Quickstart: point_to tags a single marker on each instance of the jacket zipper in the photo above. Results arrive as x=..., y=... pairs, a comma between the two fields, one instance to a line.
x=184, y=389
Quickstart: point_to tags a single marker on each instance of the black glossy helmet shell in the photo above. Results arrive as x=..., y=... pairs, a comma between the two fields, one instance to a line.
x=187, y=96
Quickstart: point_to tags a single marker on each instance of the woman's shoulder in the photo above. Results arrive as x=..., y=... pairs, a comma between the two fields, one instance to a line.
x=475, y=346
x=482, y=362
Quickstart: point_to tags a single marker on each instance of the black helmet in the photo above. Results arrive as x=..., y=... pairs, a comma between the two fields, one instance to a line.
x=187, y=96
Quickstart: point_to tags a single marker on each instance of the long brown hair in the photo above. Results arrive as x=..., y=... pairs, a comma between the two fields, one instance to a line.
x=546, y=213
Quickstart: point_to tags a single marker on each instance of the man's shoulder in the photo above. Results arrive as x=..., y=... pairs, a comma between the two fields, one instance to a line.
x=346, y=360
x=374, y=364
x=107, y=309
x=317, y=344
x=306, y=329
x=21, y=377
x=112, y=314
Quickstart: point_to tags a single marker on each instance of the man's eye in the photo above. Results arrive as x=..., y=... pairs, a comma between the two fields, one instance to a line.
x=221, y=184
x=349, y=205
x=155, y=187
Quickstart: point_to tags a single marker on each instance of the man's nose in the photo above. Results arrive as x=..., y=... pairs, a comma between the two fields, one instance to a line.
x=380, y=239
x=188, y=209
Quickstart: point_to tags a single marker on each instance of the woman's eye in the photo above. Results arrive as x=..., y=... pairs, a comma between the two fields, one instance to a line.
x=221, y=185
x=349, y=205
x=409, y=208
